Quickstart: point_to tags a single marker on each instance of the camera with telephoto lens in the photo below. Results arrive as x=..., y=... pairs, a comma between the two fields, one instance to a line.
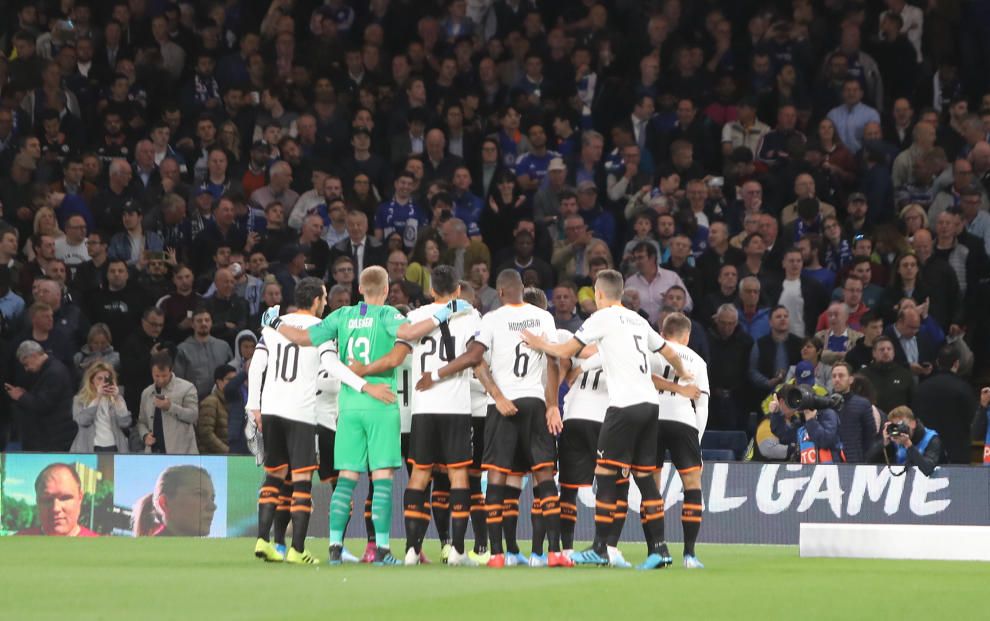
x=800, y=397
x=898, y=429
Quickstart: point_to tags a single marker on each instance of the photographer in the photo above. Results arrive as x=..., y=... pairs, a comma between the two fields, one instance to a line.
x=907, y=441
x=808, y=423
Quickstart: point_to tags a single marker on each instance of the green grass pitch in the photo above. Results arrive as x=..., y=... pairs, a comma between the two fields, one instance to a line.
x=189, y=579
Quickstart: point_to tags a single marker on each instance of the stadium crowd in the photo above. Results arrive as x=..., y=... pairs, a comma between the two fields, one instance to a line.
x=807, y=180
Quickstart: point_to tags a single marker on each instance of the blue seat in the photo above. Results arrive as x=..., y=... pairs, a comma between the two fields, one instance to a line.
x=733, y=441
x=717, y=455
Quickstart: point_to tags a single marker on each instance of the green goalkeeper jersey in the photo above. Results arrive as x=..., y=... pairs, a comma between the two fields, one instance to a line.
x=364, y=332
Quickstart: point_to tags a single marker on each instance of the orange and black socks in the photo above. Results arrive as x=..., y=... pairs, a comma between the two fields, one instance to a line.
x=460, y=512
x=302, y=508
x=621, y=509
x=440, y=501
x=539, y=526
x=283, y=515
x=550, y=506
x=416, y=517
x=493, y=506
x=691, y=519
x=478, y=516
x=568, y=516
x=267, y=503
x=651, y=512
x=510, y=518
x=604, y=510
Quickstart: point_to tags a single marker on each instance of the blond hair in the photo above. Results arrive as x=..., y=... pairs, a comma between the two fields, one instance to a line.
x=87, y=392
x=374, y=281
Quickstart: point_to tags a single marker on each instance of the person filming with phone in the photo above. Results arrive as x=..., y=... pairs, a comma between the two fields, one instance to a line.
x=907, y=442
x=169, y=410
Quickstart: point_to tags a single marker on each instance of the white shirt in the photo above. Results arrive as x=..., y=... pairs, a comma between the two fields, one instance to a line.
x=790, y=297
x=282, y=377
x=625, y=341
x=677, y=408
x=327, y=388
x=517, y=370
x=452, y=395
x=69, y=254
x=588, y=397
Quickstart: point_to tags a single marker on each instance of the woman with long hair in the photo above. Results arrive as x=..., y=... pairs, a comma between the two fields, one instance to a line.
x=425, y=256
x=913, y=218
x=182, y=505
x=45, y=223
x=100, y=412
x=229, y=138
x=98, y=348
x=839, y=160
x=906, y=282
x=506, y=205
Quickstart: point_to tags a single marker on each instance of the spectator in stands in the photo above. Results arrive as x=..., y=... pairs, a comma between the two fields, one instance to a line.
x=920, y=447
x=461, y=252
x=773, y=354
x=119, y=304
x=169, y=410
x=43, y=411
x=131, y=243
x=913, y=349
x=71, y=249
x=565, y=307
x=228, y=310
x=651, y=280
x=753, y=318
x=523, y=259
x=852, y=115
x=100, y=412
x=212, y=424
x=487, y=297
x=946, y=402
x=804, y=298
x=98, y=349
x=201, y=352
x=894, y=383
x=362, y=249
x=730, y=347
x=861, y=353
x=857, y=427
x=179, y=305
x=838, y=338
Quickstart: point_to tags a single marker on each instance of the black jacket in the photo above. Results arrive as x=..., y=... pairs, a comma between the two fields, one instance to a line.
x=729, y=360
x=945, y=402
x=815, y=300
x=925, y=462
x=374, y=252
x=857, y=427
x=927, y=349
x=894, y=384
x=45, y=410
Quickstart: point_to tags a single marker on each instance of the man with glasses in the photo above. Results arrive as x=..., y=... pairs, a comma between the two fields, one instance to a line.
x=91, y=275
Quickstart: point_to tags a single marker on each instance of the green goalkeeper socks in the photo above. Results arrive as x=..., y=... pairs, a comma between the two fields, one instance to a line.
x=340, y=509
x=381, y=511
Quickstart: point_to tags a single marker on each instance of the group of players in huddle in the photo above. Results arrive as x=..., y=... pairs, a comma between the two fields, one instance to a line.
x=485, y=398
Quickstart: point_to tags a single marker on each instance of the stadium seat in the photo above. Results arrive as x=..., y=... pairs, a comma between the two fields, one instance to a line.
x=717, y=455
x=731, y=441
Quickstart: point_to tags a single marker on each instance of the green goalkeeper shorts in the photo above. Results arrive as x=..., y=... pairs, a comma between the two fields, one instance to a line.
x=367, y=440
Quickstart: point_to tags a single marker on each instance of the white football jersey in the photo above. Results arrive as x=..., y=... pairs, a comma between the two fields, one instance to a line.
x=404, y=385
x=677, y=408
x=327, y=389
x=479, y=398
x=452, y=395
x=587, y=398
x=625, y=341
x=282, y=378
x=518, y=370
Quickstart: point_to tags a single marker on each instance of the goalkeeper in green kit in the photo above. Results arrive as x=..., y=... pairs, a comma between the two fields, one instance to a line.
x=367, y=430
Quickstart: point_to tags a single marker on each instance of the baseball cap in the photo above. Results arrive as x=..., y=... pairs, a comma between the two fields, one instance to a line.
x=804, y=373
x=587, y=186
x=557, y=164
x=130, y=207
x=857, y=197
